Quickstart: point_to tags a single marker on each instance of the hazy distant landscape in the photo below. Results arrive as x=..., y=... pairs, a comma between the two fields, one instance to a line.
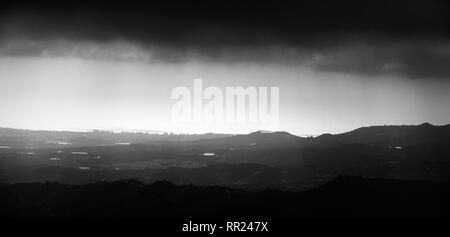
x=250, y=163
x=248, y=166
x=255, y=160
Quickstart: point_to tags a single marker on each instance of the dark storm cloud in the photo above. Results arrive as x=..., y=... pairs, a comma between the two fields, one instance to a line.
x=222, y=23
x=413, y=59
x=368, y=37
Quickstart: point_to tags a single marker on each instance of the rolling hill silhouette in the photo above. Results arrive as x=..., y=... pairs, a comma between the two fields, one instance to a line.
x=344, y=196
x=259, y=139
x=388, y=135
x=392, y=135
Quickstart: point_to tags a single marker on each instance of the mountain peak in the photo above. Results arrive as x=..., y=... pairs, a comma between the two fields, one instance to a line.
x=426, y=124
x=281, y=133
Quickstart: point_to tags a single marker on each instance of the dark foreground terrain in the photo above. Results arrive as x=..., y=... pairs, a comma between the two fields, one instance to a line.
x=343, y=196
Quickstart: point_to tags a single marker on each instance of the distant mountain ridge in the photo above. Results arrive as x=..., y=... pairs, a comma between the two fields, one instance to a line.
x=255, y=139
x=398, y=135
x=387, y=135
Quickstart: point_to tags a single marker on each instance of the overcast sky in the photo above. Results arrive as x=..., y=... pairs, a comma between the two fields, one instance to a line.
x=339, y=66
